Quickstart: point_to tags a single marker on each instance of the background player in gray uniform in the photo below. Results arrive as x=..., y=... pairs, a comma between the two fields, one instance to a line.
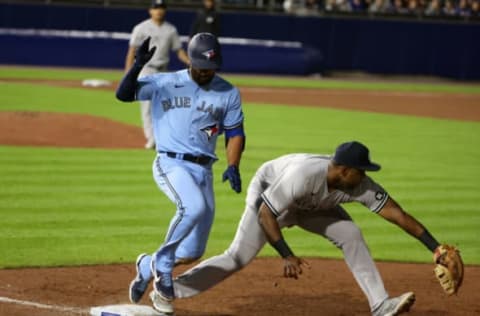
x=190, y=109
x=306, y=190
x=164, y=37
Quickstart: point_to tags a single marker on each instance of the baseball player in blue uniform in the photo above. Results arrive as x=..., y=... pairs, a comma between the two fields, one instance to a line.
x=190, y=109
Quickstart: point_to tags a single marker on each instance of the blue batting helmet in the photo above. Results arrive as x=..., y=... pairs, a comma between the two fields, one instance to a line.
x=204, y=51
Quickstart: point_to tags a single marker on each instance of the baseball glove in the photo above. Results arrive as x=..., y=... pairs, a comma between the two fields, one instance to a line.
x=449, y=268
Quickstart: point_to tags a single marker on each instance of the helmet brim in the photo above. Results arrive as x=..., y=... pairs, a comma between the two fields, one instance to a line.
x=205, y=64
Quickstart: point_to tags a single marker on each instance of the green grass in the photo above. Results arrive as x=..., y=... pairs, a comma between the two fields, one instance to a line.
x=353, y=85
x=53, y=73
x=31, y=97
x=64, y=206
x=259, y=81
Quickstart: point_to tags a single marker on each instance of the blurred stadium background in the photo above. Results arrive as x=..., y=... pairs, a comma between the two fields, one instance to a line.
x=287, y=37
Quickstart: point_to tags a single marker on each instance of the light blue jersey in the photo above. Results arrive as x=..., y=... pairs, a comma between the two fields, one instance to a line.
x=188, y=118
x=189, y=109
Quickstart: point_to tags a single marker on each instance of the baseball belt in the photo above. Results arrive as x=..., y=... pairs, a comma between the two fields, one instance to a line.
x=201, y=160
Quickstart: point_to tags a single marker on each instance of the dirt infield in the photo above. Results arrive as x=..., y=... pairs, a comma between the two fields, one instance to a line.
x=438, y=105
x=328, y=288
x=66, y=130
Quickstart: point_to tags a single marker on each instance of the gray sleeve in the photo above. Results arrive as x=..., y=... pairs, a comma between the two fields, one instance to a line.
x=176, y=44
x=137, y=36
x=371, y=194
x=285, y=189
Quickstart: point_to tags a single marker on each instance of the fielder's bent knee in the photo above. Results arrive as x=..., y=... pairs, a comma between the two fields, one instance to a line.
x=240, y=261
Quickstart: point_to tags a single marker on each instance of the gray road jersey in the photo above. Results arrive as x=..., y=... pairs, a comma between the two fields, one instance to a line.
x=298, y=182
x=164, y=37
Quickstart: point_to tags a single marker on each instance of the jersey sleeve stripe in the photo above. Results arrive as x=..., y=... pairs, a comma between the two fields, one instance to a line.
x=234, y=126
x=382, y=204
x=270, y=206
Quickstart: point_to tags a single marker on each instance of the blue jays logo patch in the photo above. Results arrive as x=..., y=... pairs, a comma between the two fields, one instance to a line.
x=210, y=131
x=209, y=54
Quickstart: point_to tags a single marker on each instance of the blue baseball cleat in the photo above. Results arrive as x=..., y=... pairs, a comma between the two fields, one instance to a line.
x=139, y=285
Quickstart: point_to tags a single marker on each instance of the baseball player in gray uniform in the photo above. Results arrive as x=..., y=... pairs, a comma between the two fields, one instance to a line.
x=164, y=37
x=306, y=190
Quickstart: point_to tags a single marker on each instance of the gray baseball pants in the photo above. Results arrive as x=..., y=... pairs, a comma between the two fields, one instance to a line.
x=335, y=225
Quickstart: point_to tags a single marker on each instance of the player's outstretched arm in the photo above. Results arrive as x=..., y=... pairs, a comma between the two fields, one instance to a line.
x=128, y=86
x=392, y=212
x=449, y=267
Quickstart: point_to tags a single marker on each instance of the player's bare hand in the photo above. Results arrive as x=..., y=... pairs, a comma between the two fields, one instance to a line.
x=293, y=267
x=144, y=53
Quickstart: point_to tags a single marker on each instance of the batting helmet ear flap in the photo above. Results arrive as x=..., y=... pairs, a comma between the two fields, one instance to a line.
x=204, y=52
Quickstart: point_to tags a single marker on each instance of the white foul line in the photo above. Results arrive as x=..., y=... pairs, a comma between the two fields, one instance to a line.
x=74, y=310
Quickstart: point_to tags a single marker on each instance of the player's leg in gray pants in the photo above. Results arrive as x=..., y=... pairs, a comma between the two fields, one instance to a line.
x=249, y=240
x=337, y=226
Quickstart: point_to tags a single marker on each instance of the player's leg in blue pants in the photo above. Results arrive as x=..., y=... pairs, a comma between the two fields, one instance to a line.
x=193, y=245
x=189, y=186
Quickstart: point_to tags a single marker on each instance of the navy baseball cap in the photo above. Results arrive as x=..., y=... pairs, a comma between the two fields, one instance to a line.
x=204, y=51
x=158, y=4
x=355, y=155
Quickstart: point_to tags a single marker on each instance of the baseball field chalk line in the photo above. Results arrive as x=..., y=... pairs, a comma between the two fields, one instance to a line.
x=71, y=310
